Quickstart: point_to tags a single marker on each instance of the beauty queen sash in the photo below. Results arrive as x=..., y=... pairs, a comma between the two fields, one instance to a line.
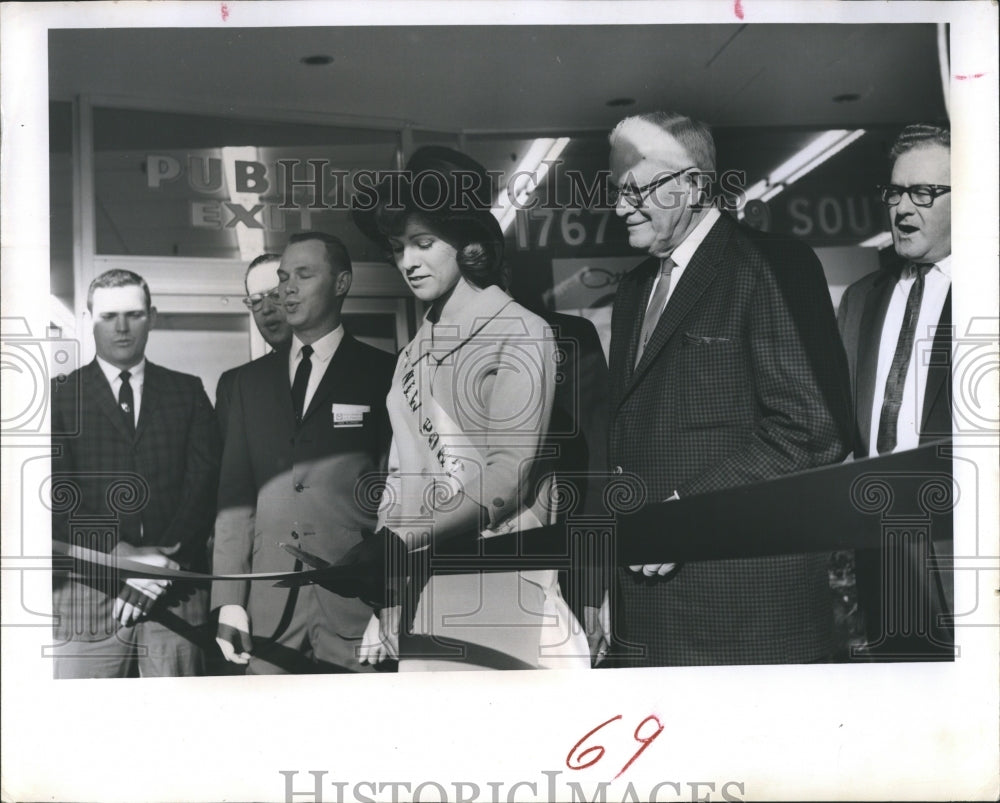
x=457, y=469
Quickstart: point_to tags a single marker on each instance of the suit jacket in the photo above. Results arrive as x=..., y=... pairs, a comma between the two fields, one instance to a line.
x=734, y=387
x=313, y=485
x=861, y=317
x=153, y=488
x=223, y=395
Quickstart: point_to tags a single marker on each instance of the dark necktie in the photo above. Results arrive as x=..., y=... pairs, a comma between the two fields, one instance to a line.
x=301, y=382
x=126, y=400
x=655, y=307
x=895, y=382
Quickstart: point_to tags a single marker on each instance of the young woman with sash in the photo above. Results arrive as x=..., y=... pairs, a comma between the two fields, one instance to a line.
x=470, y=405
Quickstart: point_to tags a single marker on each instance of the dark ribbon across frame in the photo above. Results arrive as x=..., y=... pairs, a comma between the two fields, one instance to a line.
x=840, y=507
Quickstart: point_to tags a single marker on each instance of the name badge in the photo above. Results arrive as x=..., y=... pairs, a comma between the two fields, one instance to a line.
x=349, y=415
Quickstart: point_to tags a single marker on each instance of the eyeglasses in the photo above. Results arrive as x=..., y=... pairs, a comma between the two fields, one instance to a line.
x=920, y=194
x=634, y=196
x=256, y=300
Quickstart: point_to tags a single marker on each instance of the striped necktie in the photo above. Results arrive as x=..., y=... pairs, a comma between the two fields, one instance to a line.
x=896, y=381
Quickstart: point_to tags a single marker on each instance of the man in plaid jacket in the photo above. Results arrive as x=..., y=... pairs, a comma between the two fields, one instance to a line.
x=135, y=474
x=726, y=369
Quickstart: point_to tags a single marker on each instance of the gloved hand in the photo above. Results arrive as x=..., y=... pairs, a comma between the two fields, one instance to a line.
x=381, y=638
x=233, y=635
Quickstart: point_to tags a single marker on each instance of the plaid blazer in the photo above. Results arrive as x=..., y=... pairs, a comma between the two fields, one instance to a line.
x=153, y=488
x=743, y=379
x=314, y=485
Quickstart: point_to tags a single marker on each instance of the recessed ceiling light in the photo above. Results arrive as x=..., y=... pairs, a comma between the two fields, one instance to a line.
x=847, y=97
x=317, y=61
x=620, y=102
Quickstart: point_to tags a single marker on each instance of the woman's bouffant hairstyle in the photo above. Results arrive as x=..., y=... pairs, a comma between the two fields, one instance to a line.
x=455, y=205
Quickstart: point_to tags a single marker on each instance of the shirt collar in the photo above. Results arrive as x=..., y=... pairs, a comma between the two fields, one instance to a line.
x=682, y=254
x=112, y=373
x=467, y=310
x=323, y=349
x=943, y=265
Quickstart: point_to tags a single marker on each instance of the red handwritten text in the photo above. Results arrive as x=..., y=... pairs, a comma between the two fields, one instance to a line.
x=738, y=9
x=581, y=760
x=225, y=12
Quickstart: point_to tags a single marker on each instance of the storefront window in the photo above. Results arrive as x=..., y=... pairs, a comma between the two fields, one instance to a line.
x=194, y=186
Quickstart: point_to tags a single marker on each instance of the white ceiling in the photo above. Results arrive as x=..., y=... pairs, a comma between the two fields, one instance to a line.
x=534, y=78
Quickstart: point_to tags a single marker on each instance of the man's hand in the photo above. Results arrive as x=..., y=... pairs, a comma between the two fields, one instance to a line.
x=381, y=638
x=657, y=569
x=131, y=606
x=598, y=630
x=233, y=635
x=139, y=594
x=653, y=569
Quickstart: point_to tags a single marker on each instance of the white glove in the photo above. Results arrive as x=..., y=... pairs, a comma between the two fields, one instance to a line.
x=381, y=638
x=233, y=636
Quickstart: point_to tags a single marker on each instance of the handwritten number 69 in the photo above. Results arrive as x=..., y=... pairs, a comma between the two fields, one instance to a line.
x=578, y=759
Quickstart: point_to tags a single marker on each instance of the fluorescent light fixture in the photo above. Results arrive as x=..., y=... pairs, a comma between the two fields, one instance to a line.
x=250, y=241
x=880, y=241
x=529, y=173
x=823, y=147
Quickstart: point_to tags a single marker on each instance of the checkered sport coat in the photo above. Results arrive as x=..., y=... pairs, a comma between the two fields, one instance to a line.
x=102, y=473
x=744, y=379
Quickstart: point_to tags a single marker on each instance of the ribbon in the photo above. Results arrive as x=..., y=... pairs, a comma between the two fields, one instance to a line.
x=844, y=506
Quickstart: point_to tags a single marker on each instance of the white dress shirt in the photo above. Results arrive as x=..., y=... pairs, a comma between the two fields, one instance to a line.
x=937, y=282
x=682, y=256
x=113, y=375
x=323, y=351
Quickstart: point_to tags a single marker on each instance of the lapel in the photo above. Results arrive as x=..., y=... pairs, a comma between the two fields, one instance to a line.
x=152, y=396
x=626, y=325
x=939, y=370
x=465, y=314
x=97, y=390
x=869, y=338
x=279, y=385
x=699, y=274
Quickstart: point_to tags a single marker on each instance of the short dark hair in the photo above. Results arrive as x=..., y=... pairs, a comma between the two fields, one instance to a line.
x=917, y=136
x=695, y=136
x=117, y=277
x=480, y=254
x=336, y=251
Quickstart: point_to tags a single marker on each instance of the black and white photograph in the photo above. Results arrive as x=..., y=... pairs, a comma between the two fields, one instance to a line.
x=555, y=400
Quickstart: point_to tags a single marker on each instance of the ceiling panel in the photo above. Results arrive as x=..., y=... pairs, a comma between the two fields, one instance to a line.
x=527, y=78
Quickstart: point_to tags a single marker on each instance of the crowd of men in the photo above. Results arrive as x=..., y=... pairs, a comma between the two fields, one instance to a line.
x=726, y=368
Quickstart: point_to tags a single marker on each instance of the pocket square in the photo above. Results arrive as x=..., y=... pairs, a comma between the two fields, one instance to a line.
x=702, y=340
x=349, y=415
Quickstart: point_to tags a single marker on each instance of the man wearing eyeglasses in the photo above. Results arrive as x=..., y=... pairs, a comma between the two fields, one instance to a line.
x=896, y=328
x=263, y=299
x=726, y=369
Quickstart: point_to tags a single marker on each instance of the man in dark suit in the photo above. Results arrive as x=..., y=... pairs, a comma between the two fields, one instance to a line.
x=715, y=383
x=141, y=473
x=306, y=430
x=263, y=299
x=896, y=325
